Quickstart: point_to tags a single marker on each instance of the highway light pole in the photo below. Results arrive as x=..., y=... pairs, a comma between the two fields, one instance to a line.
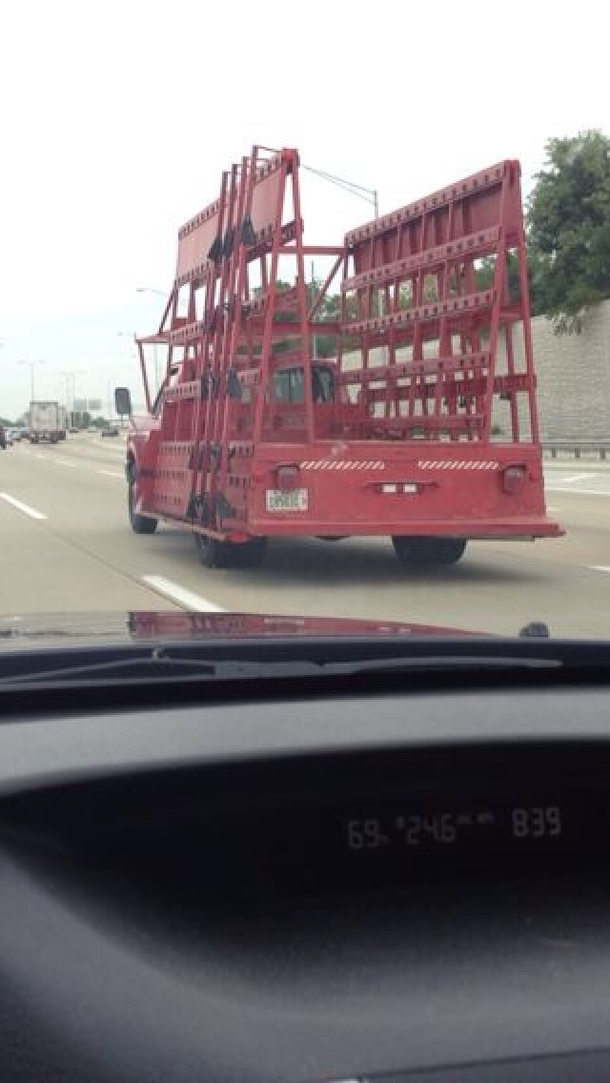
x=369, y=195
x=159, y=293
x=32, y=366
x=131, y=335
x=70, y=378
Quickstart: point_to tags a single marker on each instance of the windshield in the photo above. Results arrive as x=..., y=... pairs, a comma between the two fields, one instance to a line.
x=350, y=275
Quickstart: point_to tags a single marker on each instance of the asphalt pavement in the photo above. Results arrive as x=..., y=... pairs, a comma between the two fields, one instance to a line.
x=67, y=546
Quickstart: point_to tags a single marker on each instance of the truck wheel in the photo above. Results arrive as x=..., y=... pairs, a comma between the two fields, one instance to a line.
x=250, y=554
x=214, y=553
x=140, y=524
x=419, y=551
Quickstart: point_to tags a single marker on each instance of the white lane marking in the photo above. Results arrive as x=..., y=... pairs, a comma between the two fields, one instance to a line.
x=181, y=595
x=599, y=568
x=25, y=508
x=64, y=462
x=577, y=492
x=571, y=464
x=576, y=477
x=111, y=473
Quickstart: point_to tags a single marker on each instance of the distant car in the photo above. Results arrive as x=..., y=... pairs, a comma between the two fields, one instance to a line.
x=74, y=428
x=14, y=435
x=110, y=430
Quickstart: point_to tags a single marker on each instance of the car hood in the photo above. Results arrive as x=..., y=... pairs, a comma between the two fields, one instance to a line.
x=18, y=631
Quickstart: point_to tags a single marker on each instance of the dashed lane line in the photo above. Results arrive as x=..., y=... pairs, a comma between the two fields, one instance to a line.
x=576, y=477
x=183, y=597
x=25, y=508
x=577, y=492
x=72, y=464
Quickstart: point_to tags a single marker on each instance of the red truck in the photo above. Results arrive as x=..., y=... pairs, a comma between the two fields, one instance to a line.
x=252, y=436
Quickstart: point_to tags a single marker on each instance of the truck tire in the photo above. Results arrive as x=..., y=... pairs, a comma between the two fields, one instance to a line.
x=416, y=551
x=214, y=553
x=140, y=524
x=251, y=554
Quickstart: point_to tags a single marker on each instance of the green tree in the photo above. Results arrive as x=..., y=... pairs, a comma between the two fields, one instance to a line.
x=535, y=276
x=569, y=229
x=328, y=309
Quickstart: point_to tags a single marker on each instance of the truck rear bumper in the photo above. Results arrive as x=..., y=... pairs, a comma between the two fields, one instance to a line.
x=526, y=528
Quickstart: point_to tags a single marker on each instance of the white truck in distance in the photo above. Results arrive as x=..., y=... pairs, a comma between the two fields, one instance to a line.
x=46, y=422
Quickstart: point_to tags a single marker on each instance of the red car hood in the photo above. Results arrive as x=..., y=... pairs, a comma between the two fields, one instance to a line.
x=134, y=627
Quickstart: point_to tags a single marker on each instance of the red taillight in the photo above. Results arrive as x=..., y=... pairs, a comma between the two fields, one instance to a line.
x=513, y=479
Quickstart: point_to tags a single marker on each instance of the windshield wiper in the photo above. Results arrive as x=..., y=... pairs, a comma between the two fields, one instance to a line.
x=161, y=664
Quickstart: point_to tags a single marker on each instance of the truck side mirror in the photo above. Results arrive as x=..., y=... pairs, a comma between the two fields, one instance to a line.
x=122, y=401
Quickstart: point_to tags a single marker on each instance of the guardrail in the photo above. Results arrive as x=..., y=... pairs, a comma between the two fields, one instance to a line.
x=577, y=447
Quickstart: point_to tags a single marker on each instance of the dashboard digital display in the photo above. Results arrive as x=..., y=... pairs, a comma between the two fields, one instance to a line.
x=467, y=828
x=403, y=840
x=356, y=823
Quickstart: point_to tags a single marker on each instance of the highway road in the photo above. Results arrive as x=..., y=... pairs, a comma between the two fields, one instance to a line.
x=67, y=545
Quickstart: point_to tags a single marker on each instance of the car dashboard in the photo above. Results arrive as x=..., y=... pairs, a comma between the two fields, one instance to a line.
x=378, y=880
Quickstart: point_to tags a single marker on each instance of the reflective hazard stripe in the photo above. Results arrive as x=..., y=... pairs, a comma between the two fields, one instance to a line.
x=343, y=464
x=458, y=464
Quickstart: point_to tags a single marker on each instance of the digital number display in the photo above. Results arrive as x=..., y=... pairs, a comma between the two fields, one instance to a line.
x=405, y=837
x=400, y=841
x=429, y=830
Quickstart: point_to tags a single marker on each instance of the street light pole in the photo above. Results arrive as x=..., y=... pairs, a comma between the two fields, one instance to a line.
x=370, y=195
x=32, y=365
x=160, y=293
x=70, y=378
x=130, y=335
x=150, y=289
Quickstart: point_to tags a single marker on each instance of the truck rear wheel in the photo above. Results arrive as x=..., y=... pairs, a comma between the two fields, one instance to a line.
x=214, y=553
x=419, y=551
x=140, y=524
x=250, y=554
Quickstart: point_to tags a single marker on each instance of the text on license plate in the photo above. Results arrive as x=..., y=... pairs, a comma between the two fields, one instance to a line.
x=287, y=499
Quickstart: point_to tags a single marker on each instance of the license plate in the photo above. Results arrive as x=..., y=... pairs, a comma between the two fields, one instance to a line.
x=287, y=500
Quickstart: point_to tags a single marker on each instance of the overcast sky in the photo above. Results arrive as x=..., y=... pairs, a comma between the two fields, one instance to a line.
x=117, y=120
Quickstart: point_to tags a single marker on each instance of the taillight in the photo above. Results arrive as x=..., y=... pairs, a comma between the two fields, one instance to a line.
x=513, y=478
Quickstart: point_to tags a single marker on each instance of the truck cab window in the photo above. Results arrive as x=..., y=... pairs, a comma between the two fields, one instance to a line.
x=323, y=384
x=288, y=386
